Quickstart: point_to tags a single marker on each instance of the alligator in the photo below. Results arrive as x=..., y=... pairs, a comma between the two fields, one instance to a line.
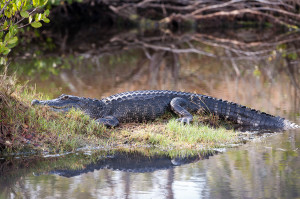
x=147, y=105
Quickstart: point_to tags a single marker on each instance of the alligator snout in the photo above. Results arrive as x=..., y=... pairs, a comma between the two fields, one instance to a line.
x=34, y=102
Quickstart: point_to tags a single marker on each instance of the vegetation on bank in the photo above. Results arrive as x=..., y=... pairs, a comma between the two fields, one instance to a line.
x=37, y=128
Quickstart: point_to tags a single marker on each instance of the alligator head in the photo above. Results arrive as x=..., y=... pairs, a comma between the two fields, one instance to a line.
x=62, y=103
x=67, y=102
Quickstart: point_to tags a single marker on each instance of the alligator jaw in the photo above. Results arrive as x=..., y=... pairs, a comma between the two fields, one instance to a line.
x=59, y=109
x=35, y=102
x=53, y=108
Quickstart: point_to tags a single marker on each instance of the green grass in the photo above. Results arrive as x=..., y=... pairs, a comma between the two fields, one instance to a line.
x=37, y=128
x=174, y=135
x=199, y=133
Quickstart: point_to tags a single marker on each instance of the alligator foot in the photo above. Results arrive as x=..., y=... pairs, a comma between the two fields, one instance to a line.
x=178, y=106
x=108, y=121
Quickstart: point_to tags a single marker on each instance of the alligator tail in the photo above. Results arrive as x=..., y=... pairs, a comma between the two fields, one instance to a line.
x=242, y=114
x=290, y=125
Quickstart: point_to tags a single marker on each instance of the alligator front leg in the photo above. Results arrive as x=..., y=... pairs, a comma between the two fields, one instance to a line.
x=178, y=106
x=108, y=121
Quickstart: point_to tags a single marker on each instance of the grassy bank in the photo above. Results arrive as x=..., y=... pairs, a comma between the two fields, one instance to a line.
x=25, y=128
x=37, y=128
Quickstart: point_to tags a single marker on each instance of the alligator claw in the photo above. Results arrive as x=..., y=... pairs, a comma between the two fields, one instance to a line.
x=185, y=120
x=108, y=121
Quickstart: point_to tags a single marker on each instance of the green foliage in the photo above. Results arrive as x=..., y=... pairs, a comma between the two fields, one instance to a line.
x=16, y=14
x=292, y=56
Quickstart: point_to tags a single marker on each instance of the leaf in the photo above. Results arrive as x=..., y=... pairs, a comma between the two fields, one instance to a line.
x=14, y=7
x=46, y=20
x=47, y=12
x=19, y=4
x=30, y=19
x=43, y=2
x=5, y=25
x=36, y=24
x=13, y=29
x=13, y=40
x=8, y=13
x=7, y=37
x=6, y=51
x=35, y=3
x=24, y=14
x=38, y=17
x=2, y=46
x=2, y=60
x=27, y=7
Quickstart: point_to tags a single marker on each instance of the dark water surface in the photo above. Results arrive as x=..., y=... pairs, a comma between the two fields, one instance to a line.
x=256, y=68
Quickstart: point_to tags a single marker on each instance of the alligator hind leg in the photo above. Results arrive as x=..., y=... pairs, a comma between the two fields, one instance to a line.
x=178, y=106
x=108, y=121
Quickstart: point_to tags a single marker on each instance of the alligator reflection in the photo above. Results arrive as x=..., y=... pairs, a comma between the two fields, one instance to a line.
x=135, y=162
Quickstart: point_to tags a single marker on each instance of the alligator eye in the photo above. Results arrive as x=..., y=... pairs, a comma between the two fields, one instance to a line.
x=65, y=97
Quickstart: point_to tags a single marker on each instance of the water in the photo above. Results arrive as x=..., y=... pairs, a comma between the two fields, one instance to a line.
x=267, y=168
x=257, y=68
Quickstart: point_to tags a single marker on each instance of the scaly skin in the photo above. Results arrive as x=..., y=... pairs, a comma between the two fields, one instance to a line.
x=147, y=105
